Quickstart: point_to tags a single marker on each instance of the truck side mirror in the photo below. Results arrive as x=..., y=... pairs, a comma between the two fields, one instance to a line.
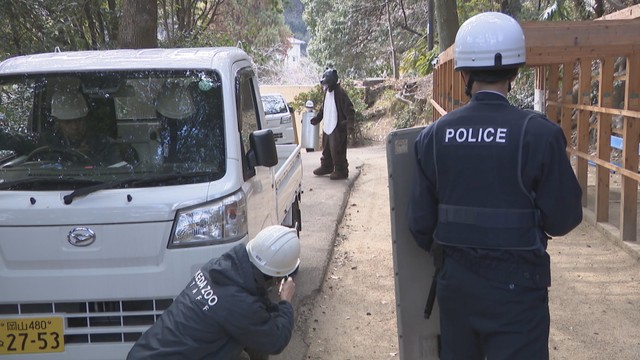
x=263, y=149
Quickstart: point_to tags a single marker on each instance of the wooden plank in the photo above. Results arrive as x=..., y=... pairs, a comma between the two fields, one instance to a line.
x=632, y=12
x=438, y=109
x=605, y=93
x=557, y=42
x=606, y=164
x=580, y=33
x=631, y=135
x=558, y=55
x=598, y=109
x=582, y=136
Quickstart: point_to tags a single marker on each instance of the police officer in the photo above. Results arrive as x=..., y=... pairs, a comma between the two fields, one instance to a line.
x=493, y=183
x=225, y=307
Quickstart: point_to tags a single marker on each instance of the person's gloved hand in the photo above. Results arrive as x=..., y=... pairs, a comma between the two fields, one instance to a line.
x=315, y=121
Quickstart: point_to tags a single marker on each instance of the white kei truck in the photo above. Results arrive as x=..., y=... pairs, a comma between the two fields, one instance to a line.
x=92, y=252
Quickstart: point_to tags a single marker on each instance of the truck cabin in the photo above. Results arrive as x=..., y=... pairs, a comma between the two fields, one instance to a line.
x=64, y=131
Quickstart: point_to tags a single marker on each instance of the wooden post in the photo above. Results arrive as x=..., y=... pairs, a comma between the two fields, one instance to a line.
x=567, y=98
x=631, y=136
x=552, y=111
x=458, y=90
x=605, y=93
x=539, y=92
x=435, y=92
x=582, y=139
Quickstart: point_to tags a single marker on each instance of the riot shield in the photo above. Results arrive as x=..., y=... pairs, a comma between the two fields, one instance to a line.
x=418, y=337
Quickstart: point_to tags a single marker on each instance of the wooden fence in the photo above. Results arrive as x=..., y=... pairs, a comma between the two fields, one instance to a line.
x=587, y=79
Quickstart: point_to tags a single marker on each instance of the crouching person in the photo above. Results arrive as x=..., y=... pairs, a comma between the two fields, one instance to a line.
x=225, y=308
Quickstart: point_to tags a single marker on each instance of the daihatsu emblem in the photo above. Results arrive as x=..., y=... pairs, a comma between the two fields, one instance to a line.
x=81, y=236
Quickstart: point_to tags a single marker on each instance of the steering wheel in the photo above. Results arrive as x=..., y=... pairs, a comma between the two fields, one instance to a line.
x=57, y=155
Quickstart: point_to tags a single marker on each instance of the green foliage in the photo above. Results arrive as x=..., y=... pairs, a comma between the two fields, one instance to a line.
x=467, y=9
x=522, y=91
x=316, y=95
x=418, y=61
x=33, y=26
x=407, y=116
x=256, y=26
x=555, y=12
x=354, y=35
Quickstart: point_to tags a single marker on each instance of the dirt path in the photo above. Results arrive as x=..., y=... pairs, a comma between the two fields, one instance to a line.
x=594, y=298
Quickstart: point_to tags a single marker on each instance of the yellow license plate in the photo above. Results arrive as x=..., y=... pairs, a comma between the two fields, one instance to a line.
x=31, y=335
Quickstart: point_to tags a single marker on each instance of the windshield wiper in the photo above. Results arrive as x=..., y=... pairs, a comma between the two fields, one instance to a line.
x=133, y=182
x=42, y=180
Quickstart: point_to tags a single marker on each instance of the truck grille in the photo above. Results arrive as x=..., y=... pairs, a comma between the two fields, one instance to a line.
x=97, y=321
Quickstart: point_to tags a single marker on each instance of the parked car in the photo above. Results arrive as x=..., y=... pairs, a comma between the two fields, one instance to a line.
x=278, y=117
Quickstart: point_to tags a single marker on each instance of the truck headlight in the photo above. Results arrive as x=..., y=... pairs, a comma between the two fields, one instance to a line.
x=217, y=222
x=285, y=119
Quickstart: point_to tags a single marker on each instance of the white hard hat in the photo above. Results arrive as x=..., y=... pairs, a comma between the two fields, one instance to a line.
x=175, y=102
x=490, y=41
x=275, y=251
x=309, y=104
x=68, y=105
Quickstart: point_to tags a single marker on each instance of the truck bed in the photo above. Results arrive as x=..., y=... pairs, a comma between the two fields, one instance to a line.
x=288, y=177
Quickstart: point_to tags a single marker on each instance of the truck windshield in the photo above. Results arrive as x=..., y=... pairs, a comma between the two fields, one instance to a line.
x=82, y=129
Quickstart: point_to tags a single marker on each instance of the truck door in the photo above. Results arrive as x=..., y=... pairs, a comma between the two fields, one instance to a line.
x=259, y=186
x=418, y=337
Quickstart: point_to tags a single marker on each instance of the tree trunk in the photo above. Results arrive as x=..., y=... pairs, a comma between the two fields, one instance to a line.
x=138, y=25
x=394, y=61
x=430, y=28
x=447, y=23
x=511, y=7
x=598, y=8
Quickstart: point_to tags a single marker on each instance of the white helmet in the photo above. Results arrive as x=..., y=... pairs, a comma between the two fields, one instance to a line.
x=309, y=104
x=68, y=105
x=275, y=251
x=489, y=41
x=175, y=102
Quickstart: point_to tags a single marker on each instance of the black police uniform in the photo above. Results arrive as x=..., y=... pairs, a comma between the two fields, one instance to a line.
x=222, y=310
x=493, y=182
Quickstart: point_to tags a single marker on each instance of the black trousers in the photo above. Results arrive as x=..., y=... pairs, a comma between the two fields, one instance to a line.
x=481, y=318
x=334, y=152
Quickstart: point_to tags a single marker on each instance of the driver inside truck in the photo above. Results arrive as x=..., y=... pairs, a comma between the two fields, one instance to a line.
x=69, y=111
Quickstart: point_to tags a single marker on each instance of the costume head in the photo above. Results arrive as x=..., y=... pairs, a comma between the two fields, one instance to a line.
x=329, y=79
